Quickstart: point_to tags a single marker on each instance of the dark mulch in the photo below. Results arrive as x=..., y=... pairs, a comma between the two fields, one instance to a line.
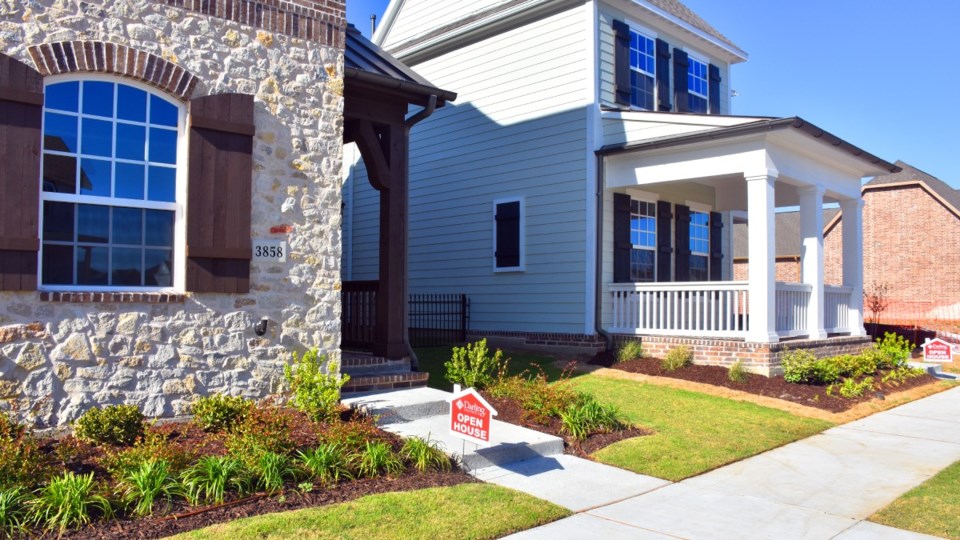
x=775, y=387
x=510, y=411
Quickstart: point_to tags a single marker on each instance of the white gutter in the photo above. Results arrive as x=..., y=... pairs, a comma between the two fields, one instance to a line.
x=386, y=22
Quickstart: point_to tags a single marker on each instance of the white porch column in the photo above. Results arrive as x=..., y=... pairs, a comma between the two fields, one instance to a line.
x=811, y=230
x=851, y=220
x=762, y=258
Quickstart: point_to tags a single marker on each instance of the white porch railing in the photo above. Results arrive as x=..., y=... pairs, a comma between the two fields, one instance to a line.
x=836, y=308
x=791, y=305
x=710, y=308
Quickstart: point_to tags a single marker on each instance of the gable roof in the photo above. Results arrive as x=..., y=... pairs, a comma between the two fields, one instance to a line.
x=685, y=14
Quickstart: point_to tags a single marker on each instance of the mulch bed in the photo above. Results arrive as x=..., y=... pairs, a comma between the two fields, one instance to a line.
x=775, y=387
x=510, y=411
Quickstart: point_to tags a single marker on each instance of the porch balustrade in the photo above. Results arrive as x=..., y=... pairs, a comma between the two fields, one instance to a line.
x=836, y=308
x=792, y=301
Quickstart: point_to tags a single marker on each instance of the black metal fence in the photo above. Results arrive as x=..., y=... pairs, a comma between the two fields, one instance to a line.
x=358, y=318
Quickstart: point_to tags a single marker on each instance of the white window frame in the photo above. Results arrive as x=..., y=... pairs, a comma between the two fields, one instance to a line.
x=522, y=267
x=697, y=57
x=700, y=209
x=652, y=36
x=178, y=283
x=652, y=201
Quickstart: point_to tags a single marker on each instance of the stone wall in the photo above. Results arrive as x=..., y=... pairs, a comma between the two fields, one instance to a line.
x=61, y=354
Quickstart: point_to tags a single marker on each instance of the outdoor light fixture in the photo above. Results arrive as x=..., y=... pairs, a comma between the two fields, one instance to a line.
x=261, y=327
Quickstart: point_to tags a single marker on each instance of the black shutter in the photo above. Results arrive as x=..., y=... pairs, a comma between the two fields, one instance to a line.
x=508, y=234
x=621, y=59
x=21, y=111
x=714, y=90
x=219, y=181
x=664, y=247
x=621, y=238
x=716, y=246
x=680, y=64
x=682, y=236
x=663, y=75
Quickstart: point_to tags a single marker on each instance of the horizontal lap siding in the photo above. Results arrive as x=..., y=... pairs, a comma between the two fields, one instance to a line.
x=418, y=16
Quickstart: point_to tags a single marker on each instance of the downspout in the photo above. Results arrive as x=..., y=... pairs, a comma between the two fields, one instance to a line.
x=598, y=274
x=411, y=121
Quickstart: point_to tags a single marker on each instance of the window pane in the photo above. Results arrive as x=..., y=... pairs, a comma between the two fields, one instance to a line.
x=60, y=174
x=698, y=268
x=91, y=265
x=158, y=267
x=127, y=226
x=131, y=141
x=98, y=98
x=162, y=113
x=57, y=221
x=95, y=177
x=127, y=266
x=162, y=184
x=129, y=181
x=131, y=103
x=57, y=265
x=97, y=137
x=60, y=133
x=159, y=228
x=641, y=265
x=62, y=96
x=93, y=223
x=163, y=146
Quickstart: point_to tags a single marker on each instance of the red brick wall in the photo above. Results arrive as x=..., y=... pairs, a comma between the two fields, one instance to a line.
x=788, y=269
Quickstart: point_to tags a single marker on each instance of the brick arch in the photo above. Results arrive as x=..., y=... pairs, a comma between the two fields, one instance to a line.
x=104, y=57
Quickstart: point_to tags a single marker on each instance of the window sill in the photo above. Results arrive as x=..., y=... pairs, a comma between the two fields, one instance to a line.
x=113, y=297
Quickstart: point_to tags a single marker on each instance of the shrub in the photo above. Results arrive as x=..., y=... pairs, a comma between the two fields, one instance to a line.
x=209, y=479
x=13, y=511
x=899, y=375
x=328, y=463
x=219, y=412
x=472, y=366
x=425, y=455
x=150, y=482
x=540, y=400
x=154, y=445
x=677, y=358
x=118, y=425
x=630, y=350
x=22, y=463
x=264, y=429
x=588, y=416
x=895, y=349
x=273, y=470
x=851, y=389
x=799, y=366
x=68, y=500
x=737, y=373
x=377, y=458
x=352, y=435
x=315, y=393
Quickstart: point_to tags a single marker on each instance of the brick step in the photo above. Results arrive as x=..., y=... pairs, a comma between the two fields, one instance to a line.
x=360, y=364
x=385, y=381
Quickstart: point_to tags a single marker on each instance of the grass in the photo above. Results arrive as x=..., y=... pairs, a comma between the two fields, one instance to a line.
x=694, y=432
x=432, y=359
x=930, y=508
x=465, y=511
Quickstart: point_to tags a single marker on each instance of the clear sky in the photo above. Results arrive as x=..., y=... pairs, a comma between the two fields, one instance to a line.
x=882, y=74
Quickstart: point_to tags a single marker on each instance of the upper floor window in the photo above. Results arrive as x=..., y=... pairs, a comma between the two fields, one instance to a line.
x=642, y=71
x=109, y=186
x=698, y=86
x=643, y=237
x=699, y=246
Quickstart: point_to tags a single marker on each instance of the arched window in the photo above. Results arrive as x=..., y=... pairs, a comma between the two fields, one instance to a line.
x=111, y=187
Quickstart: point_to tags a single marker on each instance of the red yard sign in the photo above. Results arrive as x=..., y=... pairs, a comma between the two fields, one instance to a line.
x=471, y=416
x=937, y=350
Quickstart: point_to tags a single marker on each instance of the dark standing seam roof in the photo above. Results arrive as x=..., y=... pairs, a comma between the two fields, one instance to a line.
x=364, y=60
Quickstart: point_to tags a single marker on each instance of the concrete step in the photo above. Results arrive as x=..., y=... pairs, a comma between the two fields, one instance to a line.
x=385, y=381
x=364, y=364
x=405, y=405
x=934, y=369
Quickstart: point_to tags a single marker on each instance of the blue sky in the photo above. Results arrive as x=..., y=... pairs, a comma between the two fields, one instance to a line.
x=882, y=74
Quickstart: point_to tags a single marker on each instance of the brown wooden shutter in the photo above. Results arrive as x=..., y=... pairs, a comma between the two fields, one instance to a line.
x=716, y=246
x=663, y=75
x=682, y=236
x=664, y=245
x=621, y=59
x=680, y=64
x=713, y=72
x=21, y=113
x=621, y=238
x=219, y=247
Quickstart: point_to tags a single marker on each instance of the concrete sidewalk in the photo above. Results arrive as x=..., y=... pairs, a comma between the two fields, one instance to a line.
x=818, y=488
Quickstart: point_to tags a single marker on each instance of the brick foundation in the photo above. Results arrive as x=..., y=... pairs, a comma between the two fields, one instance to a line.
x=542, y=341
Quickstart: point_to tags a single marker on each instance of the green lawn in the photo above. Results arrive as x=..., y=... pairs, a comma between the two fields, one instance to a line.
x=464, y=511
x=930, y=508
x=694, y=432
x=433, y=358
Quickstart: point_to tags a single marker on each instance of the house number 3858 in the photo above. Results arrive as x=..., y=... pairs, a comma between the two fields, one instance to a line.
x=270, y=250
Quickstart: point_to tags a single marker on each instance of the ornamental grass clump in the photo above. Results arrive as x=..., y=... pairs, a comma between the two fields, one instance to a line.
x=68, y=500
x=118, y=425
x=677, y=358
x=13, y=511
x=273, y=470
x=630, y=350
x=588, y=416
x=737, y=373
x=150, y=483
x=472, y=366
x=378, y=458
x=211, y=477
x=425, y=455
x=316, y=392
x=328, y=463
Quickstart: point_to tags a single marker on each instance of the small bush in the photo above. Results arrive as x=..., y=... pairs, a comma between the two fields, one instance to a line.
x=13, y=511
x=328, y=463
x=799, y=366
x=273, y=470
x=895, y=349
x=219, y=412
x=147, y=484
x=378, y=458
x=209, y=479
x=425, y=455
x=472, y=366
x=899, y=375
x=315, y=393
x=119, y=425
x=677, y=358
x=630, y=350
x=264, y=429
x=154, y=445
x=850, y=388
x=68, y=500
x=588, y=416
x=737, y=373
x=352, y=435
x=540, y=400
x=22, y=463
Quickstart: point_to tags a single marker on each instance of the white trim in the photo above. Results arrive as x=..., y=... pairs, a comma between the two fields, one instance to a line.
x=641, y=195
x=698, y=206
x=522, y=240
x=386, y=23
x=734, y=51
x=591, y=101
